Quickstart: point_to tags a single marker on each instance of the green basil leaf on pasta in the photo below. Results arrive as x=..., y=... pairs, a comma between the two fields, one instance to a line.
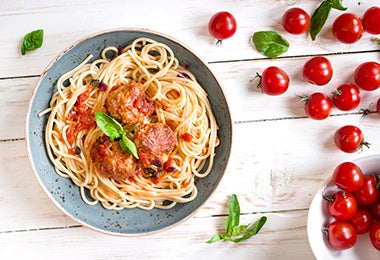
x=32, y=41
x=270, y=43
x=109, y=125
x=233, y=214
x=252, y=230
x=128, y=146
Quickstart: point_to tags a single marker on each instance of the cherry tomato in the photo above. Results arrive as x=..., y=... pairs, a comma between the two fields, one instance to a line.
x=349, y=139
x=375, y=209
x=318, y=71
x=222, y=25
x=274, y=81
x=362, y=221
x=374, y=234
x=296, y=21
x=341, y=235
x=371, y=20
x=346, y=97
x=367, y=194
x=347, y=28
x=348, y=176
x=367, y=75
x=317, y=106
x=341, y=205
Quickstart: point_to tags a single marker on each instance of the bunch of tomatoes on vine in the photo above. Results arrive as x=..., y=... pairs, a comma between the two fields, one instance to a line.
x=354, y=208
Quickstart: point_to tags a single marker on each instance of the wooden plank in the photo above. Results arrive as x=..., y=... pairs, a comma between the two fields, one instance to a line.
x=283, y=237
x=246, y=102
x=186, y=22
x=274, y=166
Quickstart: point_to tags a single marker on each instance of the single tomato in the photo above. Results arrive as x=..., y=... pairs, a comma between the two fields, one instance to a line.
x=374, y=234
x=362, y=221
x=296, y=20
x=222, y=25
x=341, y=235
x=347, y=28
x=349, y=139
x=346, y=97
x=318, y=106
x=367, y=75
x=375, y=209
x=371, y=20
x=318, y=70
x=368, y=193
x=348, y=176
x=341, y=205
x=274, y=81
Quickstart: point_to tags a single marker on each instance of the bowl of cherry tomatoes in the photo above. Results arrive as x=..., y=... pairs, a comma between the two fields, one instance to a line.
x=344, y=215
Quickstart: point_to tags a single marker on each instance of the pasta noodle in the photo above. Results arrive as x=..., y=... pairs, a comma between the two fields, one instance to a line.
x=179, y=102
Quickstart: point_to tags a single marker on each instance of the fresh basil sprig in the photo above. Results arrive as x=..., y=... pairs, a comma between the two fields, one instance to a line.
x=114, y=130
x=235, y=232
x=270, y=43
x=320, y=15
x=32, y=41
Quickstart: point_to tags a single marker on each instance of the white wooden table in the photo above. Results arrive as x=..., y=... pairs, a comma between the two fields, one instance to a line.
x=279, y=158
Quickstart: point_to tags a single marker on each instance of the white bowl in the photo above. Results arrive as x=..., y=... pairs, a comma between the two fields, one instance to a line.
x=318, y=217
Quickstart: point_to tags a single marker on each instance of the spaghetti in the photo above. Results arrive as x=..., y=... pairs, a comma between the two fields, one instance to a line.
x=74, y=141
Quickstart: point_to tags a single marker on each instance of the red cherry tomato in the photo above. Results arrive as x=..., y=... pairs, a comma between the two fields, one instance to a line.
x=349, y=139
x=367, y=194
x=341, y=235
x=371, y=20
x=274, y=81
x=318, y=71
x=222, y=25
x=341, y=205
x=374, y=234
x=367, y=75
x=296, y=21
x=362, y=221
x=346, y=97
x=318, y=106
x=375, y=209
x=348, y=176
x=347, y=28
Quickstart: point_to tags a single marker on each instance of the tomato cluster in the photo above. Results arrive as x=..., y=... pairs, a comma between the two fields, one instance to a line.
x=354, y=208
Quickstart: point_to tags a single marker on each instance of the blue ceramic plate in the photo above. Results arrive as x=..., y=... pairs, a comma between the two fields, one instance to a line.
x=63, y=191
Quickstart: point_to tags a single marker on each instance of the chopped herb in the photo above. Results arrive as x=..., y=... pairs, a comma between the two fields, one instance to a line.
x=94, y=83
x=32, y=41
x=234, y=231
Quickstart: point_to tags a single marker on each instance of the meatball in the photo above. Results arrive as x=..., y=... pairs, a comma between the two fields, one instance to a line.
x=128, y=104
x=111, y=160
x=154, y=142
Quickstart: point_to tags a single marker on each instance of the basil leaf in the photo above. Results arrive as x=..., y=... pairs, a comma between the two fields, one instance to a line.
x=252, y=230
x=338, y=4
x=270, y=43
x=109, y=125
x=320, y=15
x=128, y=146
x=238, y=230
x=32, y=41
x=233, y=214
x=318, y=19
x=216, y=238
